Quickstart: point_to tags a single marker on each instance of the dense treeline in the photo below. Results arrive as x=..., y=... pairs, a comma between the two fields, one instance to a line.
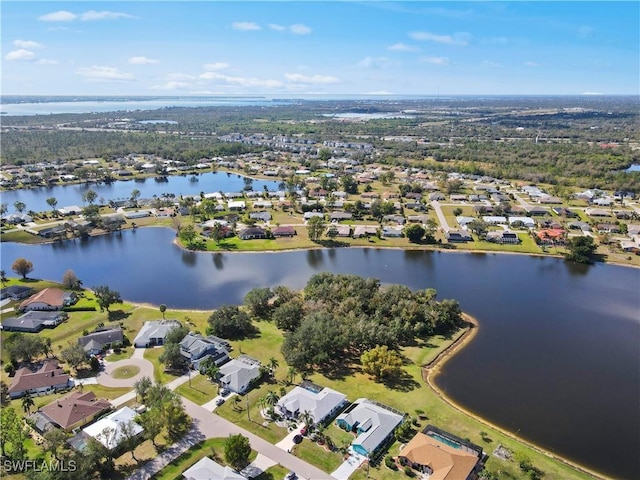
x=338, y=317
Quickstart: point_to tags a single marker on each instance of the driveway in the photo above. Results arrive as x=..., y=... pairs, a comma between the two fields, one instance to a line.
x=441, y=218
x=349, y=466
x=105, y=378
x=211, y=425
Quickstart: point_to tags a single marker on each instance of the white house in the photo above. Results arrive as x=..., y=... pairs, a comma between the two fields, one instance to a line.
x=322, y=404
x=207, y=469
x=108, y=430
x=238, y=374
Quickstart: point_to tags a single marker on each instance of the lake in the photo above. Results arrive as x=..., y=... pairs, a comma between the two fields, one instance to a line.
x=36, y=198
x=556, y=358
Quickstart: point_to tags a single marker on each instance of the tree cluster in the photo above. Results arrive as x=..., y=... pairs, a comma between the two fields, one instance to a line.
x=342, y=315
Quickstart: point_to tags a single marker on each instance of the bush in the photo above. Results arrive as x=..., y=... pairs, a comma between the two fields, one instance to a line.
x=10, y=369
x=79, y=309
x=408, y=472
x=388, y=461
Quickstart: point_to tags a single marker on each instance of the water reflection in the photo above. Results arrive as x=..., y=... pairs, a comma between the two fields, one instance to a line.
x=315, y=258
x=218, y=261
x=189, y=258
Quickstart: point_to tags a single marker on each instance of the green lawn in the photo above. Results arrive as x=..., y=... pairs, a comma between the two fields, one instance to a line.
x=212, y=448
x=124, y=354
x=235, y=410
x=125, y=372
x=159, y=375
x=317, y=455
x=200, y=391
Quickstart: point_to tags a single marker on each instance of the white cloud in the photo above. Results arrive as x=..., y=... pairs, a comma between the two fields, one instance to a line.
x=436, y=60
x=241, y=81
x=60, y=16
x=311, y=79
x=375, y=62
x=216, y=66
x=300, y=29
x=103, y=15
x=592, y=93
x=378, y=92
x=246, y=26
x=46, y=61
x=142, y=61
x=401, y=47
x=27, y=44
x=490, y=64
x=297, y=28
x=459, y=38
x=495, y=41
x=179, y=77
x=171, y=85
x=531, y=64
x=104, y=74
x=20, y=54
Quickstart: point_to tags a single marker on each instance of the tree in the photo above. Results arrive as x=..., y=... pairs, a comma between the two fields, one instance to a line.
x=54, y=440
x=315, y=226
x=23, y=267
x=52, y=202
x=457, y=212
x=142, y=387
x=19, y=206
x=230, y=322
x=163, y=308
x=430, y=230
x=257, y=302
x=188, y=234
x=273, y=366
x=152, y=424
x=292, y=372
x=237, y=450
x=89, y=196
x=288, y=315
x=381, y=362
x=106, y=297
x=349, y=184
x=209, y=368
x=129, y=437
x=74, y=355
x=24, y=347
x=27, y=403
x=414, y=233
x=70, y=280
x=172, y=357
x=3, y=209
x=3, y=277
x=479, y=227
x=580, y=249
x=135, y=195
x=13, y=432
x=332, y=232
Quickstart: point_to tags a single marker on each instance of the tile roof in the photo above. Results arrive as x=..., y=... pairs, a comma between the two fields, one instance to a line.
x=48, y=375
x=69, y=410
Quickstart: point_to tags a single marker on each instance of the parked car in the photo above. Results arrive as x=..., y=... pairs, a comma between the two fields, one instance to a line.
x=290, y=476
x=297, y=439
x=224, y=392
x=219, y=401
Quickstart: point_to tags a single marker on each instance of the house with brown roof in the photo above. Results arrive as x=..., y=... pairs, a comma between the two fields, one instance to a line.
x=47, y=379
x=75, y=410
x=49, y=299
x=442, y=456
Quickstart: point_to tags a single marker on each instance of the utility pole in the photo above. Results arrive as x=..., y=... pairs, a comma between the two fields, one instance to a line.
x=248, y=413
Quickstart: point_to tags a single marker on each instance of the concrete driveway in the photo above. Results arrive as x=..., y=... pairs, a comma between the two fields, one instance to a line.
x=105, y=378
x=211, y=425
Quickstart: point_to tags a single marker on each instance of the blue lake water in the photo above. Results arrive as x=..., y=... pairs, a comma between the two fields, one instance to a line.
x=556, y=358
x=36, y=198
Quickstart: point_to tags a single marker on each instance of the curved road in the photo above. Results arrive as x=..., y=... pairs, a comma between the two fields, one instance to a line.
x=105, y=378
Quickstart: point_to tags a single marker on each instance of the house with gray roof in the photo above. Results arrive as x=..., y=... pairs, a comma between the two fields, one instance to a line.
x=372, y=422
x=95, y=342
x=34, y=321
x=207, y=469
x=154, y=332
x=196, y=349
x=321, y=403
x=238, y=374
x=15, y=292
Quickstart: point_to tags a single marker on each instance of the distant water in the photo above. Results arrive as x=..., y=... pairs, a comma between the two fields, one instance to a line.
x=635, y=167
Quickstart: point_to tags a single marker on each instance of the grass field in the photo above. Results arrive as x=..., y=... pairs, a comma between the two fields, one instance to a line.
x=159, y=375
x=125, y=372
x=200, y=391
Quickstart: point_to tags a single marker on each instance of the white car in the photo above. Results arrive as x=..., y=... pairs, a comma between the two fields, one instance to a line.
x=219, y=401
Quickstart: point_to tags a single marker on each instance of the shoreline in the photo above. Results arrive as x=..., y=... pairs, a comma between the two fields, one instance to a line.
x=433, y=368
x=425, y=248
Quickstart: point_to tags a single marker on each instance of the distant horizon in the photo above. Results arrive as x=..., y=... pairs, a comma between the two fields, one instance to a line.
x=312, y=48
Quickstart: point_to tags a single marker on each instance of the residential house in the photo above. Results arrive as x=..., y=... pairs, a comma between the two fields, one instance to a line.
x=584, y=226
x=310, y=215
x=360, y=231
x=53, y=232
x=442, y=456
x=47, y=379
x=608, y=228
x=417, y=218
x=15, y=292
x=49, y=299
x=458, y=236
x=196, y=349
x=75, y=410
x=262, y=216
x=565, y=212
x=238, y=374
x=534, y=210
x=70, y=210
x=597, y=212
x=207, y=469
x=436, y=196
x=390, y=232
x=343, y=230
x=286, y=231
x=102, y=338
x=252, y=233
x=503, y=236
x=551, y=236
x=112, y=423
x=154, y=332
x=321, y=403
x=372, y=422
x=525, y=221
x=339, y=216
x=494, y=220
x=236, y=205
x=33, y=321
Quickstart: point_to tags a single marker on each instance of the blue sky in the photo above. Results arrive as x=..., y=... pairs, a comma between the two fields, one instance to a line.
x=329, y=47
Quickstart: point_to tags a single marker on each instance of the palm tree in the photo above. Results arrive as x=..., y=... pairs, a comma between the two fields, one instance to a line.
x=163, y=308
x=3, y=277
x=272, y=398
x=291, y=374
x=27, y=403
x=273, y=364
x=306, y=418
